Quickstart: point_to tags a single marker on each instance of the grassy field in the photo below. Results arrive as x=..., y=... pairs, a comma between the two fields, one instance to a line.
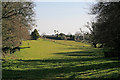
x=48, y=59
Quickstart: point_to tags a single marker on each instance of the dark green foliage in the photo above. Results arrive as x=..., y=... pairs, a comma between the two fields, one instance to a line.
x=62, y=36
x=106, y=29
x=35, y=35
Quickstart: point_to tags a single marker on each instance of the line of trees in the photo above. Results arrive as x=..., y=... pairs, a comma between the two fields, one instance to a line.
x=105, y=30
x=17, y=20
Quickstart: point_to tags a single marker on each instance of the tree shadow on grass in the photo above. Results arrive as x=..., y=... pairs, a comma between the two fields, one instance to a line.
x=64, y=60
x=24, y=47
x=80, y=53
x=78, y=48
x=49, y=69
x=52, y=72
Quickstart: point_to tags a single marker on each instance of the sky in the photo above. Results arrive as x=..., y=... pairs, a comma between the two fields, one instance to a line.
x=66, y=17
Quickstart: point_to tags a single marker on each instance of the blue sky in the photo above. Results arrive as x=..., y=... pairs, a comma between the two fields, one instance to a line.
x=62, y=16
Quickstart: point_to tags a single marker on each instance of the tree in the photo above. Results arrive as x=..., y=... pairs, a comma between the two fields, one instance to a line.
x=92, y=35
x=17, y=20
x=56, y=32
x=70, y=36
x=62, y=36
x=107, y=26
x=78, y=36
x=35, y=35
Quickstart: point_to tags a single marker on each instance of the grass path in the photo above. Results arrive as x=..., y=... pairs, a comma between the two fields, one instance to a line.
x=46, y=49
x=46, y=59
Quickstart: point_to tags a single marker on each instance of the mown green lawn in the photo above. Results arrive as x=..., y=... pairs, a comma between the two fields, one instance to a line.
x=52, y=59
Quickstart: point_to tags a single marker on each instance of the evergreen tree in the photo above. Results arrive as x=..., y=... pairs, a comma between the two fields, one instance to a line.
x=35, y=35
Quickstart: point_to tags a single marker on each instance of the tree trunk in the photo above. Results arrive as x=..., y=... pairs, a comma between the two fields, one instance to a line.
x=95, y=45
